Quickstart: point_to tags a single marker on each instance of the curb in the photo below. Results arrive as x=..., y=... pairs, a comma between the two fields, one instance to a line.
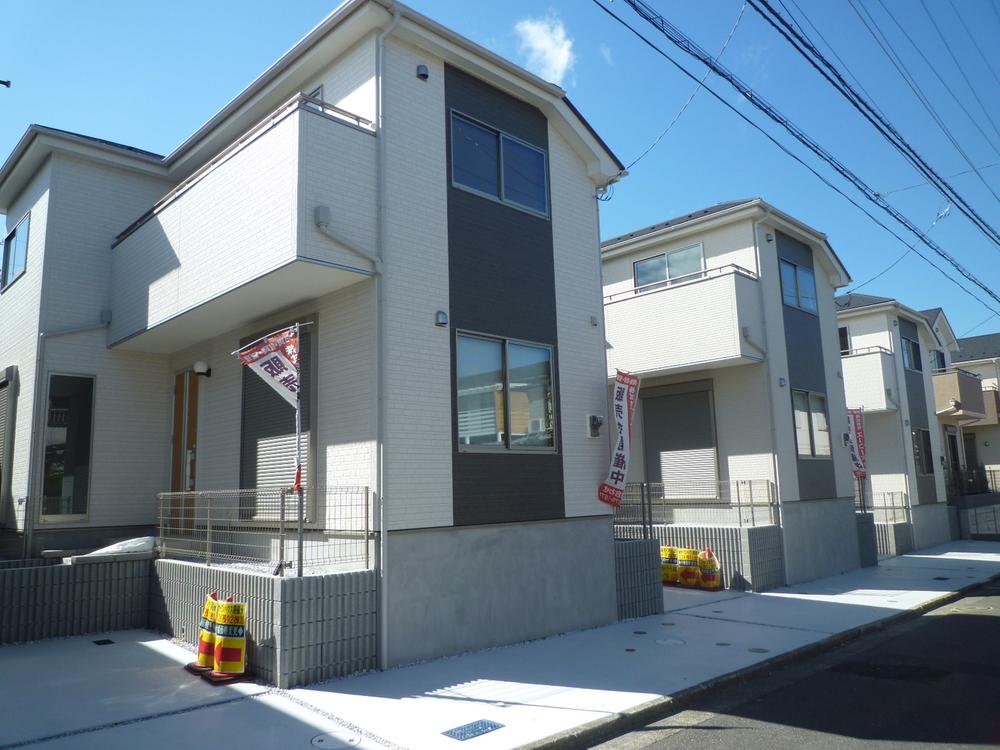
x=606, y=728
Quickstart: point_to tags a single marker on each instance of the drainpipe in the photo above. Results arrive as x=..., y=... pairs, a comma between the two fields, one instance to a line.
x=380, y=357
x=37, y=415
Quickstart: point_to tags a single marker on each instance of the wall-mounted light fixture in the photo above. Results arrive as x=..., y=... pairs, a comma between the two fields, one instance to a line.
x=441, y=319
x=782, y=382
x=201, y=368
x=769, y=237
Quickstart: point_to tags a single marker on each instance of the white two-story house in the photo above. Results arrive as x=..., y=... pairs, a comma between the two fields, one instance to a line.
x=897, y=369
x=727, y=315
x=430, y=210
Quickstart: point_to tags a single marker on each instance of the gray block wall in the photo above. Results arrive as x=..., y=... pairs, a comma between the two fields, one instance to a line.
x=637, y=577
x=930, y=525
x=751, y=557
x=89, y=596
x=33, y=562
x=820, y=538
x=894, y=538
x=299, y=630
x=867, y=542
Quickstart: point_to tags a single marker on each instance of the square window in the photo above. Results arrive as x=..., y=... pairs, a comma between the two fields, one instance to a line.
x=686, y=262
x=474, y=157
x=789, y=284
x=15, y=252
x=524, y=175
x=650, y=270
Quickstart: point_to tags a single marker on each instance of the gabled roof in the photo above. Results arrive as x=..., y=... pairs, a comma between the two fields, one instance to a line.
x=682, y=219
x=932, y=314
x=855, y=301
x=972, y=348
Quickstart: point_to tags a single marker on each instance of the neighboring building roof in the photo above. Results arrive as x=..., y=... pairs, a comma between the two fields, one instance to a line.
x=972, y=348
x=932, y=314
x=854, y=301
x=717, y=208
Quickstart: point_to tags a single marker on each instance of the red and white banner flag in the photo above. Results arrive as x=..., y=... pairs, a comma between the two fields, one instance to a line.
x=626, y=393
x=276, y=359
x=857, y=442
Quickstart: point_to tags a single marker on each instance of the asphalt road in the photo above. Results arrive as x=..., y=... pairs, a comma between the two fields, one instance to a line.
x=933, y=681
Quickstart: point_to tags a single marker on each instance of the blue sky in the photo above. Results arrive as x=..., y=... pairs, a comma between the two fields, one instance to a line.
x=149, y=74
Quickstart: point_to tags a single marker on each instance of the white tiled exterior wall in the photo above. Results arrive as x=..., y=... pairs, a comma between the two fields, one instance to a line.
x=867, y=378
x=19, y=309
x=349, y=83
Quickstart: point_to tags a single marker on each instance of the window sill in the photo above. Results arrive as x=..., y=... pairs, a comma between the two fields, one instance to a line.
x=13, y=281
x=814, y=313
x=500, y=201
x=810, y=457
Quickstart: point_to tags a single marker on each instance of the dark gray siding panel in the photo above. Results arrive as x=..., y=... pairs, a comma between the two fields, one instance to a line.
x=8, y=396
x=501, y=283
x=806, y=369
x=916, y=402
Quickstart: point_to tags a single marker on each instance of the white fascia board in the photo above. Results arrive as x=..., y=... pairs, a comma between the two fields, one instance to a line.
x=901, y=311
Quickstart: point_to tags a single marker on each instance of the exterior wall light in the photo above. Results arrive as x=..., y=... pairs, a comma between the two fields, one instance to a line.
x=201, y=368
x=441, y=319
x=422, y=73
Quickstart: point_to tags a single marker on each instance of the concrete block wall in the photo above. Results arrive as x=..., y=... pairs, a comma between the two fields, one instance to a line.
x=88, y=596
x=867, y=542
x=29, y=563
x=894, y=538
x=299, y=630
x=637, y=576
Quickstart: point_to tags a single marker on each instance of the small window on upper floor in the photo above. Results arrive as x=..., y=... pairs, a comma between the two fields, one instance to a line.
x=911, y=355
x=15, y=253
x=798, y=286
x=497, y=165
x=683, y=264
x=939, y=363
x=845, y=340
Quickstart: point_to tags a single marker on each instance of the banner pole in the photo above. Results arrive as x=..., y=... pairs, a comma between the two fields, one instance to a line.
x=298, y=447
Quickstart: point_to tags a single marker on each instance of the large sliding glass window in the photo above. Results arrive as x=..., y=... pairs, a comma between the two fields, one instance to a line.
x=15, y=253
x=503, y=383
x=683, y=264
x=68, y=432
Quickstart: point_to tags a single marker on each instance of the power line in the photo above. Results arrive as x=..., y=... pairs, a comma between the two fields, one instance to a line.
x=694, y=93
x=921, y=184
x=981, y=323
x=691, y=48
x=972, y=38
x=829, y=71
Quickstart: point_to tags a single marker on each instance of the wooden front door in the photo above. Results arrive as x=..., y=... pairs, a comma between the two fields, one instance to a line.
x=184, y=448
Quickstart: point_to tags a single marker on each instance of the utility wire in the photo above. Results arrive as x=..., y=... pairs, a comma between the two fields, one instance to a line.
x=981, y=323
x=829, y=71
x=694, y=93
x=972, y=38
x=688, y=46
x=921, y=184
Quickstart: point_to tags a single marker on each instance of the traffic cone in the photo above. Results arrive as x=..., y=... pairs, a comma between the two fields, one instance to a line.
x=206, y=637
x=708, y=567
x=230, y=658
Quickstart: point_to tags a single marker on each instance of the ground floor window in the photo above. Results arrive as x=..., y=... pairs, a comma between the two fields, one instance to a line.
x=922, y=454
x=68, y=434
x=812, y=428
x=504, y=394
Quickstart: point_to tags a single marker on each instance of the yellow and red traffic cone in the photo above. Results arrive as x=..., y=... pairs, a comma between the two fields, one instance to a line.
x=206, y=637
x=230, y=657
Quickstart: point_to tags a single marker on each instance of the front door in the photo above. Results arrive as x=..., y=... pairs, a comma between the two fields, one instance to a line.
x=183, y=454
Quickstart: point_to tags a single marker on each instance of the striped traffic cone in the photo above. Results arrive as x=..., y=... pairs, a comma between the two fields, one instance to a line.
x=206, y=637
x=229, y=663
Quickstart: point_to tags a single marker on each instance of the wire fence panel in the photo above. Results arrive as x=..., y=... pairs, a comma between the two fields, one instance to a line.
x=317, y=530
x=749, y=502
x=884, y=507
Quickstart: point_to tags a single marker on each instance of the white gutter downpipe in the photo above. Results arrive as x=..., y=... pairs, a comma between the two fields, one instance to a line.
x=37, y=412
x=380, y=358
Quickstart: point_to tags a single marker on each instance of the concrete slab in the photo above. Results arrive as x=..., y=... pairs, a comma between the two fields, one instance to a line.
x=87, y=685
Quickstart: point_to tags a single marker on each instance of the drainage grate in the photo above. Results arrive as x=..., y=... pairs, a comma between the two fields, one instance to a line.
x=900, y=672
x=103, y=642
x=474, y=729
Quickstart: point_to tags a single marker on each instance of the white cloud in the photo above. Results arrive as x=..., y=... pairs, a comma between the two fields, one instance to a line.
x=606, y=54
x=547, y=49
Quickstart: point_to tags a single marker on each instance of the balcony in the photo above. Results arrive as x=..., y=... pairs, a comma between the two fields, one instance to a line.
x=688, y=323
x=958, y=395
x=236, y=240
x=870, y=379
x=991, y=407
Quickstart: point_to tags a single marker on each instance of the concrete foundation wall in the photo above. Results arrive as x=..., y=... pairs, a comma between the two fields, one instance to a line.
x=867, y=542
x=637, y=577
x=930, y=525
x=820, y=537
x=88, y=596
x=980, y=521
x=460, y=589
x=299, y=630
x=894, y=538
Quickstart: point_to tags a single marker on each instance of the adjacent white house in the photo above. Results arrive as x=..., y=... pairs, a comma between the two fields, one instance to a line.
x=429, y=208
x=897, y=365
x=727, y=314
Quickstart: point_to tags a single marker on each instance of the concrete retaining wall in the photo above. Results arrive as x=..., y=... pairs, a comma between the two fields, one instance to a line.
x=820, y=538
x=867, y=542
x=299, y=630
x=637, y=576
x=894, y=538
x=88, y=596
x=979, y=522
x=930, y=525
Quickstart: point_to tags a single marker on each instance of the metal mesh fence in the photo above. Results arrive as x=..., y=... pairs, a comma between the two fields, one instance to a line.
x=318, y=530
x=750, y=502
x=885, y=507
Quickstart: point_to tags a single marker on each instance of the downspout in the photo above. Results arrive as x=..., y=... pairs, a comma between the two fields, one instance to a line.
x=37, y=413
x=380, y=358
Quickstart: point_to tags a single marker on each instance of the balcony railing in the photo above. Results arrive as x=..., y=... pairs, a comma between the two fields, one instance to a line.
x=696, y=503
x=869, y=378
x=678, y=281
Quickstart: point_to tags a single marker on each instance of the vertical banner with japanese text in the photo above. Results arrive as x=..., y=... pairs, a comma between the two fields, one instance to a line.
x=626, y=392
x=857, y=442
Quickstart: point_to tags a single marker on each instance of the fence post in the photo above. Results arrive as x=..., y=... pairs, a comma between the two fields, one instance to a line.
x=739, y=505
x=208, y=529
x=301, y=522
x=281, y=533
x=163, y=530
x=643, y=496
x=366, y=529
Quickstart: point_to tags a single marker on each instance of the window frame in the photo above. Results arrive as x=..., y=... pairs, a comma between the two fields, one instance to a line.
x=847, y=338
x=501, y=135
x=798, y=269
x=920, y=461
x=939, y=364
x=907, y=354
x=316, y=93
x=44, y=517
x=668, y=281
x=812, y=455
x=6, y=283
x=506, y=448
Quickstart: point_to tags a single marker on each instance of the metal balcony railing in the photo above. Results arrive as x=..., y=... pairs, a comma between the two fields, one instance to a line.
x=677, y=281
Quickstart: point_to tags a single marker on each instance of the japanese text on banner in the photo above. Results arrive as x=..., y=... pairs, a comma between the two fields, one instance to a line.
x=626, y=392
x=276, y=359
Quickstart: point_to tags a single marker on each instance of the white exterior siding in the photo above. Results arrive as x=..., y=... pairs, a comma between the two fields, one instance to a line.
x=582, y=385
x=349, y=83
x=869, y=330
x=417, y=485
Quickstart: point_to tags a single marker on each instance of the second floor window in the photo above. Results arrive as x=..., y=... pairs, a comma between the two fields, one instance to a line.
x=15, y=253
x=498, y=165
x=845, y=340
x=798, y=286
x=939, y=363
x=667, y=266
x=911, y=355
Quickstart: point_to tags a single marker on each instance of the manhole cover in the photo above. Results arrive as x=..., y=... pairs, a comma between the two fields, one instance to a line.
x=671, y=642
x=335, y=741
x=723, y=643
x=668, y=624
x=942, y=578
x=640, y=632
x=630, y=650
x=717, y=611
x=758, y=650
x=103, y=642
x=473, y=729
